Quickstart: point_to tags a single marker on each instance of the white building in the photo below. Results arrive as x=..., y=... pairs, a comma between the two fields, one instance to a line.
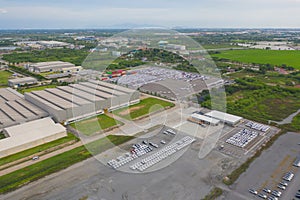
x=17, y=82
x=224, y=117
x=195, y=117
x=29, y=135
x=54, y=66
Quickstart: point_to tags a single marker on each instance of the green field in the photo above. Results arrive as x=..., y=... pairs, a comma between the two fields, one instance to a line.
x=4, y=75
x=31, y=173
x=68, y=55
x=273, y=57
x=270, y=78
x=144, y=107
x=218, y=46
x=95, y=124
x=37, y=149
x=42, y=87
x=296, y=123
x=263, y=105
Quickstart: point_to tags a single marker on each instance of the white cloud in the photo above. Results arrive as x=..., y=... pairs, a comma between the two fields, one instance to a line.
x=3, y=11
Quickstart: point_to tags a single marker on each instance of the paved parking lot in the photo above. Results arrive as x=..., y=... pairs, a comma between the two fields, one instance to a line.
x=267, y=170
x=251, y=147
x=186, y=177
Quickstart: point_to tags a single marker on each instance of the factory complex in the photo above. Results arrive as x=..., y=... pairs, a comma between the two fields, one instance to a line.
x=35, y=118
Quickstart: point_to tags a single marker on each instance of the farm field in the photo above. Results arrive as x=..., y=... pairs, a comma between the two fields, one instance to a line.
x=95, y=124
x=4, y=75
x=273, y=57
x=146, y=106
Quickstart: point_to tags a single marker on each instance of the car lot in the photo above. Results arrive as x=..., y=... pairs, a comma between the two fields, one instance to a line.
x=273, y=170
x=151, y=153
x=181, y=176
x=243, y=141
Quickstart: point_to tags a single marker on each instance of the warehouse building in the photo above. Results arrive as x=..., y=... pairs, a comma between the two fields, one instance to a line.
x=229, y=119
x=202, y=119
x=14, y=109
x=54, y=66
x=78, y=101
x=18, y=82
x=29, y=135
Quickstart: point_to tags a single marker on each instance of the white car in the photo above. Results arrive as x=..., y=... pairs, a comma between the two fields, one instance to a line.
x=252, y=191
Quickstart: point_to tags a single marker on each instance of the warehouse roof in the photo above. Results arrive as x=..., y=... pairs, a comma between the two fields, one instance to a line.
x=30, y=132
x=225, y=117
x=14, y=109
x=112, y=86
x=205, y=118
x=22, y=80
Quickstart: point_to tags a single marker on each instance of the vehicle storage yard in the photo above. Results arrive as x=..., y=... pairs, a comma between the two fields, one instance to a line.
x=272, y=171
x=166, y=168
x=144, y=156
x=181, y=176
x=169, y=83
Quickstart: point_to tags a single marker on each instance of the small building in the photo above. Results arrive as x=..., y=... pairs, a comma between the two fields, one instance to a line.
x=30, y=134
x=200, y=119
x=21, y=82
x=229, y=119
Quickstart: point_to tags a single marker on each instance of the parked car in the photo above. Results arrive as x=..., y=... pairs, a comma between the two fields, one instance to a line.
x=252, y=191
x=35, y=158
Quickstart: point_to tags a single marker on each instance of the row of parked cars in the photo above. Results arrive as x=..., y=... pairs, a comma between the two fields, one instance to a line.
x=257, y=126
x=242, y=138
x=275, y=194
x=162, y=154
x=136, y=151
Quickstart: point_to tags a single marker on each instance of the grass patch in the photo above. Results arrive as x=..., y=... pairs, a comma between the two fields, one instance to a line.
x=37, y=88
x=67, y=55
x=144, y=107
x=273, y=57
x=37, y=149
x=36, y=171
x=296, y=122
x=95, y=124
x=213, y=194
x=4, y=75
x=2, y=136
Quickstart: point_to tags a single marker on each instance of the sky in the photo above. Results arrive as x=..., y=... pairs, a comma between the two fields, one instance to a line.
x=31, y=14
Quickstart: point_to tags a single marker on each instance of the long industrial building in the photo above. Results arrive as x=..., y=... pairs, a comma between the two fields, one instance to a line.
x=14, y=109
x=77, y=101
x=54, y=66
x=229, y=119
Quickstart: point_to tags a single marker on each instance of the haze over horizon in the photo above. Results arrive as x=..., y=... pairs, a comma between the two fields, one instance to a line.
x=31, y=14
